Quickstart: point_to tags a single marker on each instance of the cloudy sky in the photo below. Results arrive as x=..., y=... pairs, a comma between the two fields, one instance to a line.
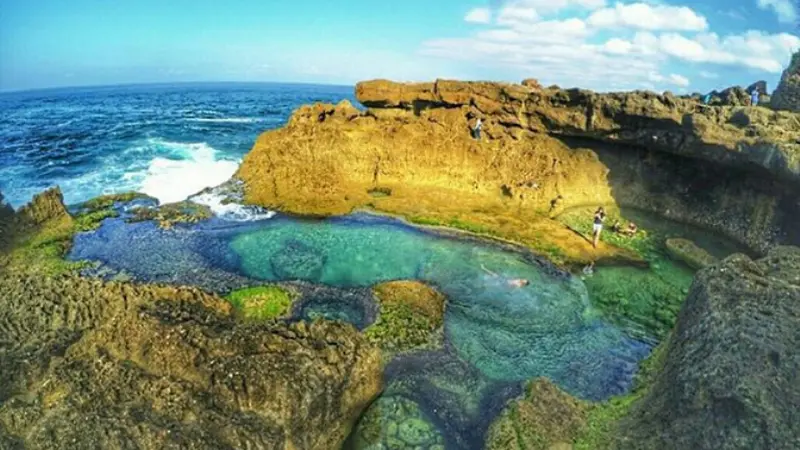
x=675, y=45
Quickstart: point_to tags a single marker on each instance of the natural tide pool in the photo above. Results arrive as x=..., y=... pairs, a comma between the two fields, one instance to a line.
x=496, y=336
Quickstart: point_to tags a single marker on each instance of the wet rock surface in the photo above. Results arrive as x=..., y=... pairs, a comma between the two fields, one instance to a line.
x=110, y=365
x=688, y=252
x=730, y=377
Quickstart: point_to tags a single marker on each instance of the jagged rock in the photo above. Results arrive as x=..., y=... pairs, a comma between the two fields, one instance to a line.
x=45, y=206
x=688, y=252
x=109, y=365
x=6, y=223
x=532, y=83
x=760, y=86
x=730, y=377
x=544, y=418
x=787, y=95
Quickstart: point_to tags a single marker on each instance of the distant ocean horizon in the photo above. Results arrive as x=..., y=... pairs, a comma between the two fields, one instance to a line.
x=168, y=140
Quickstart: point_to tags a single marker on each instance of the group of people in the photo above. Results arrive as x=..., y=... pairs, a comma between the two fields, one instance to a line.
x=597, y=227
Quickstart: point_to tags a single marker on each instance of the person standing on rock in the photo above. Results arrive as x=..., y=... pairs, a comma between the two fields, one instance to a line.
x=754, y=97
x=476, y=131
x=597, y=227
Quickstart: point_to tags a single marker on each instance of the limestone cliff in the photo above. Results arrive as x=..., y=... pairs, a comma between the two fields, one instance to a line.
x=730, y=376
x=730, y=169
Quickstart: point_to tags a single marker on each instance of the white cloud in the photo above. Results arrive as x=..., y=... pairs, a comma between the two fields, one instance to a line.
x=708, y=75
x=479, y=15
x=678, y=80
x=784, y=9
x=648, y=17
x=617, y=46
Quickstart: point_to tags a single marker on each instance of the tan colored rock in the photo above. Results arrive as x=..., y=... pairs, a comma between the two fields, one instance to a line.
x=45, y=206
x=88, y=364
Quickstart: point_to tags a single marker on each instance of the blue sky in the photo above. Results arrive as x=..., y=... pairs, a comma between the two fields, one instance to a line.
x=599, y=44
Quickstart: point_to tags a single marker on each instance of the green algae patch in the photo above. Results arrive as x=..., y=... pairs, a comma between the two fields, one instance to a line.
x=108, y=201
x=42, y=250
x=263, y=302
x=410, y=314
x=396, y=423
x=91, y=221
x=168, y=215
x=642, y=300
x=545, y=417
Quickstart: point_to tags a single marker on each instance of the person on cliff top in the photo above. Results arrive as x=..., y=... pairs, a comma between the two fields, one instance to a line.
x=476, y=131
x=597, y=227
x=754, y=97
x=514, y=282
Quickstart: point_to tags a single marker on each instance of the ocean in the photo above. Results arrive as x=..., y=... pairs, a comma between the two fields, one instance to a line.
x=168, y=141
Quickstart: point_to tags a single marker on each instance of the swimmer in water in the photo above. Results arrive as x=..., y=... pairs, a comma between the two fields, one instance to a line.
x=515, y=282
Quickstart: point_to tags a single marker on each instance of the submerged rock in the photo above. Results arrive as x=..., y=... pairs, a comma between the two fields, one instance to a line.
x=298, y=261
x=111, y=365
x=410, y=314
x=688, y=252
x=730, y=377
x=544, y=418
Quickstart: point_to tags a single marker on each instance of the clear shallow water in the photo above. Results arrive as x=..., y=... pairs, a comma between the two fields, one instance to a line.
x=169, y=141
x=496, y=336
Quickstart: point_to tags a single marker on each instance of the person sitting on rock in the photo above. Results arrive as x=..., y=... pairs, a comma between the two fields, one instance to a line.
x=513, y=282
x=617, y=227
x=632, y=229
x=476, y=131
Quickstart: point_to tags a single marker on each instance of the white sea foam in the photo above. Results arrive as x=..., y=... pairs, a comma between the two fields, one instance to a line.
x=189, y=168
x=231, y=211
x=225, y=119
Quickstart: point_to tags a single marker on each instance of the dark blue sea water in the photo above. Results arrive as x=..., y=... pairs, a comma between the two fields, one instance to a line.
x=168, y=141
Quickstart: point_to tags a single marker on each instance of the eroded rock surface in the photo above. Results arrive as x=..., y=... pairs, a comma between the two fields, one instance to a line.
x=730, y=378
x=90, y=364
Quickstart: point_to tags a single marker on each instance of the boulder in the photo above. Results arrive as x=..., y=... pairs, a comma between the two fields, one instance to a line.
x=731, y=374
x=688, y=252
x=532, y=83
x=88, y=364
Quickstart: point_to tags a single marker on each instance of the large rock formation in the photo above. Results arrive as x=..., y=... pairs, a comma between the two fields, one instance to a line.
x=787, y=95
x=731, y=376
x=738, y=168
x=87, y=364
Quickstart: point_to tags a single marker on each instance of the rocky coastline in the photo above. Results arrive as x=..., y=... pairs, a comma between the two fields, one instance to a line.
x=109, y=363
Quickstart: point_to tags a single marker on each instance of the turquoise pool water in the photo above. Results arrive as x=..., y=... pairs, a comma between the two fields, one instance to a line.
x=496, y=335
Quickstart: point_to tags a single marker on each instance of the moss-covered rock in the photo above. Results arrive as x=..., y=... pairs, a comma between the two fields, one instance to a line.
x=168, y=215
x=89, y=364
x=262, y=302
x=688, y=252
x=410, y=314
x=545, y=417
x=109, y=201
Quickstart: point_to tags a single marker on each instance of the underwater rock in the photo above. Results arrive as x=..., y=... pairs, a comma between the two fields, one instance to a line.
x=543, y=418
x=113, y=365
x=394, y=422
x=298, y=261
x=688, y=252
x=355, y=306
x=730, y=374
x=410, y=314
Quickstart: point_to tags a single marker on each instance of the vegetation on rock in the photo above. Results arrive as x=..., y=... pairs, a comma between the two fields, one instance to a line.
x=168, y=215
x=263, y=302
x=109, y=201
x=410, y=313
